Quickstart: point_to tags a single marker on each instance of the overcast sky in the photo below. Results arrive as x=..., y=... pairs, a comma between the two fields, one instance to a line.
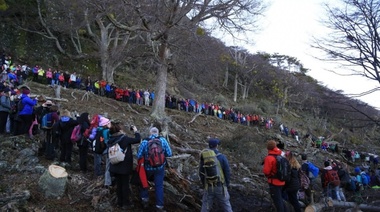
x=287, y=29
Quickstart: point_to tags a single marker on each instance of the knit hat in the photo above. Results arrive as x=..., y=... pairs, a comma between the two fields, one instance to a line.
x=357, y=169
x=154, y=131
x=271, y=145
x=327, y=163
x=26, y=91
x=103, y=121
x=213, y=142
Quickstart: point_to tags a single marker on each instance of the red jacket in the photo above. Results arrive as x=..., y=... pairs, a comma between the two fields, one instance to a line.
x=140, y=169
x=270, y=167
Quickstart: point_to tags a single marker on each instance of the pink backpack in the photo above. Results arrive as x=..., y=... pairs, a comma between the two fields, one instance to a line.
x=76, y=134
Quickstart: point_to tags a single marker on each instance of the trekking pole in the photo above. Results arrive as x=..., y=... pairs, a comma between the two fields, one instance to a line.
x=312, y=196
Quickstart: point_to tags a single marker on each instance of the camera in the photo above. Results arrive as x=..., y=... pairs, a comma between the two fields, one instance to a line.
x=131, y=128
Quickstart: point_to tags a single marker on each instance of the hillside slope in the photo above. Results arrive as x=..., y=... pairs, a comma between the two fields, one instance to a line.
x=188, y=133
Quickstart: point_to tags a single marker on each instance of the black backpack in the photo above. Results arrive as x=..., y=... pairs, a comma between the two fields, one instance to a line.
x=99, y=145
x=283, y=168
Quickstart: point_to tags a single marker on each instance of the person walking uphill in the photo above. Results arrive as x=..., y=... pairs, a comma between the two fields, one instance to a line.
x=154, y=142
x=123, y=169
x=214, y=172
x=269, y=169
x=65, y=127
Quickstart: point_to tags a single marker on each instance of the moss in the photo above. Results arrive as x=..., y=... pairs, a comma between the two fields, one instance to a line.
x=3, y=5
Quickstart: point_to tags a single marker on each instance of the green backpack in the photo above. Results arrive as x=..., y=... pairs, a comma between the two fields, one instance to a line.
x=213, y=172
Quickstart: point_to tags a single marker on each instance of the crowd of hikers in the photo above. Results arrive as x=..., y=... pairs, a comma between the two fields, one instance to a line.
x=291, y=180
x=21, y=115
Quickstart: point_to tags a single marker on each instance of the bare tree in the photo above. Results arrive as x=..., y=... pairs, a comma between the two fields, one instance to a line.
x=354, y=40
x=161, y=17
x=82, y=30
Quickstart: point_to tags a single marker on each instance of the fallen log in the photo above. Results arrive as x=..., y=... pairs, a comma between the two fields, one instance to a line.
x=327, y=202
x=16, y=197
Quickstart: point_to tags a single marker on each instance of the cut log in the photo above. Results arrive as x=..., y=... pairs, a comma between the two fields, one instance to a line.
x=325, y=202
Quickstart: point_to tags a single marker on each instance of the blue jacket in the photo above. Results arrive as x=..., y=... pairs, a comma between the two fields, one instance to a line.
x=28, y=105
x=143, y=151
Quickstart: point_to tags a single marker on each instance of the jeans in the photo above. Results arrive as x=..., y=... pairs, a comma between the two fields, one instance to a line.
x=276, y=194
x=158, y=185
x=98, y=164
x=107, y=174
x=219, y=193
x=293, y=199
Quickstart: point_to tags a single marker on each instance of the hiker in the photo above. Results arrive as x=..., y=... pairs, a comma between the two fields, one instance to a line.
x=216, y=189
x=293, y=184
x=25, y=115
x=103, y=131
x=123, y=170
x=84, y=122
x=269, y=169
x=157, y=172
x=330, y=181
x=305, y=168
x=65, y=127
x=5, y=109
x=50, y=138
x=40, y=112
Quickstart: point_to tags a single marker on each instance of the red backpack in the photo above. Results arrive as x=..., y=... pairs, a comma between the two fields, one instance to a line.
x=332, y=177
x=156, y=154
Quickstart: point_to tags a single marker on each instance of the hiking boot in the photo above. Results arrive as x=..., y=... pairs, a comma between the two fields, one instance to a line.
x=160, y=209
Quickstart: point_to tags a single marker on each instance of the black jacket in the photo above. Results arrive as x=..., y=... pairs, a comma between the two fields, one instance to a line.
x=294, y=183
x=65, y=128
x=126, y=166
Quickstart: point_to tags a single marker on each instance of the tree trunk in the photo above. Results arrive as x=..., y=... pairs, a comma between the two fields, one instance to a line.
x=225, y=83
x=158, y=108
x=235, y=87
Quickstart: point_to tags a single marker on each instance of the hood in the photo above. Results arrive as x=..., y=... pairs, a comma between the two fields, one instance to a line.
x=114, y=139
x=83, y=118
x=65, y=118
x=275, y=151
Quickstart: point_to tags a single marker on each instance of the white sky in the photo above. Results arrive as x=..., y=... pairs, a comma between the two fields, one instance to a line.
x=287, y=29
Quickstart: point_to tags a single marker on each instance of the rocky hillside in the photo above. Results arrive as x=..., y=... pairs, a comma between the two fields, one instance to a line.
x=21, y=167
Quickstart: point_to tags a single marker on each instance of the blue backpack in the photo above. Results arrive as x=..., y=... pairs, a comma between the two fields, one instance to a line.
x=365, y=179
x=47, y=121
x=313, y=170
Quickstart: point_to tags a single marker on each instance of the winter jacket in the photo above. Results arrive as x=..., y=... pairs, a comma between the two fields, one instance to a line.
x=143, y=151
x=28, y=104
x=270, y=167
x=5, y=104
x=142, y=173
x=294, y=182
x=65, y=128
x=126, y=166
